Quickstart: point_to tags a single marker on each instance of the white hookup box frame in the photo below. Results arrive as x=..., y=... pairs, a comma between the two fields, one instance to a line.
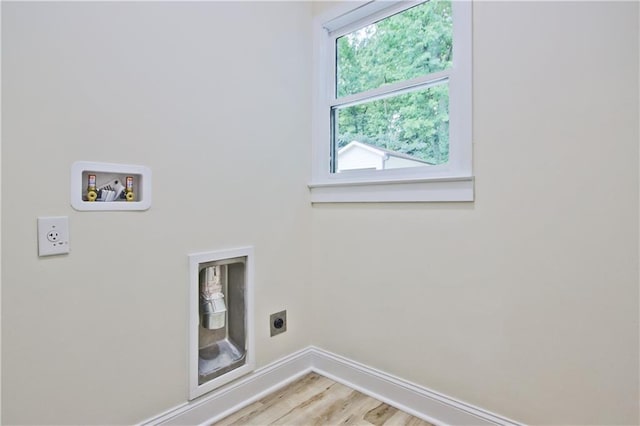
x=106, y=172
x=196, y=261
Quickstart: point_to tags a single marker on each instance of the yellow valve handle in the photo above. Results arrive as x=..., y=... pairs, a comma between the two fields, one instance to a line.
x=92, y=195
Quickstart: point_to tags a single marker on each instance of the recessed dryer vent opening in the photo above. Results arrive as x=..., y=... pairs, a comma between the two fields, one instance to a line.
x=221, y=318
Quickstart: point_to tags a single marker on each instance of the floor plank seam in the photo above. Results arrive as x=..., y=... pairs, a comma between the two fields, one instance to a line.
x=316, y=400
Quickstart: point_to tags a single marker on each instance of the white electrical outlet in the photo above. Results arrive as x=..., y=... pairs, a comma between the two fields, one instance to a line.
x=53, y=235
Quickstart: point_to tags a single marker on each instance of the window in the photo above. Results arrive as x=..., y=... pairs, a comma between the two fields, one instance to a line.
x=392, y=103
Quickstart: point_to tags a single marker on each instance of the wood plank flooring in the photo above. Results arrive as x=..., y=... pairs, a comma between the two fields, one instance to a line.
x=315, y=400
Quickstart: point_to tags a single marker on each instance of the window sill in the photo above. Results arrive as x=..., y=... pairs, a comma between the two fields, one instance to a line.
x=402, y=191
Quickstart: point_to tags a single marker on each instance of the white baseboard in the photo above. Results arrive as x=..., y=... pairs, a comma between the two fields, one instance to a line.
x=416, y=400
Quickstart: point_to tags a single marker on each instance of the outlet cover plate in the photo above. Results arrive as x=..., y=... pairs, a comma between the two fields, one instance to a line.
x=278, y=322
x=53, y=235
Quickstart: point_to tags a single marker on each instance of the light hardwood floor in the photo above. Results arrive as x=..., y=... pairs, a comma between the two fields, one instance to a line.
x=316, y=400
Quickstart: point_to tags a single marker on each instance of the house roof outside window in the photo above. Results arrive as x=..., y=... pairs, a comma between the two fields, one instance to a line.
x=359, y=155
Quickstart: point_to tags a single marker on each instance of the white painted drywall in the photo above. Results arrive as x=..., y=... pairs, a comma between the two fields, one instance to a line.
x=214, y=98
x=524, y=302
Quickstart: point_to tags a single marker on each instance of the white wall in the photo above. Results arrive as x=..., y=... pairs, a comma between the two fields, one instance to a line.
x=214, y=98
x=524, y=302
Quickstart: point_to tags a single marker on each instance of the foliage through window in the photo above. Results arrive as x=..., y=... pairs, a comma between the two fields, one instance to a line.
x=411, y=44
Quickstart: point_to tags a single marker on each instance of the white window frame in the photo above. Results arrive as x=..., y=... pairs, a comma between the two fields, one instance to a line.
x=448, y=182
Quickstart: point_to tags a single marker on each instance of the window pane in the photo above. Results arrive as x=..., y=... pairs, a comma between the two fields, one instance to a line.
x=406, y=130
x=409, y=44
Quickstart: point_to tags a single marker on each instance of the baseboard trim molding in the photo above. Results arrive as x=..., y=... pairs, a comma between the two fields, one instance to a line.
x=416, y=400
